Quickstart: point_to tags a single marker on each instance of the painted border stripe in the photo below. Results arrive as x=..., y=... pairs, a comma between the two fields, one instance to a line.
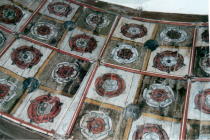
x=12, y=74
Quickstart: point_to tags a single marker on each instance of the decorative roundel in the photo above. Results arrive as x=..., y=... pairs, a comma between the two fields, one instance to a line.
x=44, y=30
x=205, y=63
x=133, y=31
x=31, y=84
x=158, y=95
x=151, y=44
x=202, y=101
x=59, y=9
x=2, y=39
x=124, y=54
x=7, y=91
x=150, y=132
x=98, y=20
x=173, y=34
x=168, y=61
x=83, y=43
x=70, y=24
x=10, y=14
x=44, y=108
x=109, y=85
x=26, y=57
x=205, y=36
x=65, y=72
x=95, y=125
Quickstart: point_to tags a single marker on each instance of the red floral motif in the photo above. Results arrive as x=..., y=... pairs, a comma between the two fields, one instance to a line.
x=173, y=34
x=174, y=67
x=97, y=20
x=65, y=71
x=96, y=125
x=159, y=95
x=150, y=128
x=44, y=108
x=43, y=30
x=125, y=53
x=34, y=54
x=83, y=43
x=10, y=14
x=201, y=99
x=4, y=90
x=59, y=9
x=110, y=76
x=205, y=36
x=142, y=31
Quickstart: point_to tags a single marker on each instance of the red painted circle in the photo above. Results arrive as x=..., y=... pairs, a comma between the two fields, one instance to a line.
x=200, y=101
x=51, y=8
x=36, y=57
x=65, y=71
x=91, y=45
x=97, y=20
x=6, y=11
x=150, y=128
x=43, y=30
x=124, y=31
x=110, y=76
x=160, y=66
x=159, y=95
x=205, y=36
x=125, y=53
x=32, y=114
x=4, y=90
x=96, y=125
x=173, y=34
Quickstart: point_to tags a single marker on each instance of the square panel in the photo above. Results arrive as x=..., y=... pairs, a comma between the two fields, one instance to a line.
x=174, y=35
x=170, y=60
x=201, y=67
x=163, y=97
x=24, y=58
x=31, y=4
x=113, y=86
x=202, y=38
x=5, y=39
x=64, y=73
x=44, y=109
x=199, y=101
x=59, y=9
x=16, y=19
x=111, y=123
x=45, y=30
x=134, y=30
x=11, y=91
x=125, y=54
x=94, y=21
x=146, y=127
x=83, y=44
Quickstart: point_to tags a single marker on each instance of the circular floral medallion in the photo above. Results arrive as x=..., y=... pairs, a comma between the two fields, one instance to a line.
x=150, y=132
x=99, y=20
x=10, y=14
x=173, y=34
x=202, y=101
x=205, y=36
x=133, y=31
x=26, y=57
x=7, y=91
x=158, y=95
x=44, y=108
x=124, y=54
x=205, y=63
x=83, y=43
x=2, y=39
x=65, y=72
x=44, y=30
x=168, y=61
x=109, y=85
x=59, y=9
x=95, y=125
